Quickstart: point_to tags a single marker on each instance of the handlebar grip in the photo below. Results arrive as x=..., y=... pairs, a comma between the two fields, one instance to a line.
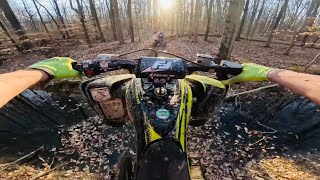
x=76, y=66
x=90, y=68
x=233, y=68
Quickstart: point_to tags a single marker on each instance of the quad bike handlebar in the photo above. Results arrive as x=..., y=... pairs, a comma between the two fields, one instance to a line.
x=179, y=66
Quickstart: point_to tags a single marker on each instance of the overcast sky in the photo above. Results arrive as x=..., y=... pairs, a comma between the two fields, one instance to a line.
x=17, y=4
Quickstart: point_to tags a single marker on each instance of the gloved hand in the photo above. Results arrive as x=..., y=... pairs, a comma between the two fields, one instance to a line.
x=250, y=72
x=58, y=67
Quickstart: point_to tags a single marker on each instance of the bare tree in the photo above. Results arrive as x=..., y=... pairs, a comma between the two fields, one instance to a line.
x=179, y=18
x=129, y=11
x=26, y=8
x=196, y=21
x=243, y=20
x=230, y=28
x=57, y=9
x=53, y=19
x=292, y=42
x=209, y=19
x=258, y=19
x=191, y=18
x=155, y=14
x=80, y=13
x=96, y=19
x=117, y=21
x=41, y=19
x=137, y=10
x=112, y=22
x=309, y=20
x=10, y=37
x=265, y=21
x=298, y=10
x=252, y=17
x=11, y=17
x=219, y=15
x=271, y=18
x=274, y=27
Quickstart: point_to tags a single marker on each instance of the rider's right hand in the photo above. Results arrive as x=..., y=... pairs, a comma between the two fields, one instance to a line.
x=57, y=67
x=250, y=72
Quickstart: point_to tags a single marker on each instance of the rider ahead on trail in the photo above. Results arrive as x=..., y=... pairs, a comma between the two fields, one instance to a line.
x=14, y=83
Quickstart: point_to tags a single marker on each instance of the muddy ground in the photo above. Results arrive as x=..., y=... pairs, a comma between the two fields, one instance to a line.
x=270, y=134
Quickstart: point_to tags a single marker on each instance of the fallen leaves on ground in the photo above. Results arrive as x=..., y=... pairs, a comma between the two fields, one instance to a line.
x=281, y=168
x=26, y=172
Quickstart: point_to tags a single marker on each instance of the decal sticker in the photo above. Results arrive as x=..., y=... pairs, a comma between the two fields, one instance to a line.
x=164, y=65
x=163, y=114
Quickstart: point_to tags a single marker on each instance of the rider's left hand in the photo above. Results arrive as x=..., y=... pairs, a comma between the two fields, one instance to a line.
x=57, y=67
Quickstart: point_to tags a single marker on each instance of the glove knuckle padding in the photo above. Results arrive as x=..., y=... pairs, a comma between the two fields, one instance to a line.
x=59, y=67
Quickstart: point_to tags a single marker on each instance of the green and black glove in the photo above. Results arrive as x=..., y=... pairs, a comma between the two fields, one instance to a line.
x=250, y=72
x=57, y=67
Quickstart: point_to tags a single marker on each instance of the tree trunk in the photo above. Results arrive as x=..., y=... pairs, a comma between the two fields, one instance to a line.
x=33, y=24
x=60, y=17
x=258, y=19
x=155, y=14
x=196, y=21
x=80, y=13
x=10, y=37
x=310, y=20
x=129, y=11
x=117, y=21
x=112, y=22
x=274, y=27
x=185, y=15
x=41, y=19
x=179, y=18
x=253, y=16
x=138, y=24
x=206, y=7
x=209, y=19
x=263, y=29
x=292, y=42
x=96, y=19
x=272, y=19
x=243, y=20
x=149, y=13
x=296, y=15
x=11, y=17
x=52, y=18
x=219, y=15
x=230, y=28
x=314, y=41
x=191, y=18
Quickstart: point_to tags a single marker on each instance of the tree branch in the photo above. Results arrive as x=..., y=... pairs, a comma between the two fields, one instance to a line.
x=71, y=5
x=48, y=13
x=310, y=63
x=253, y=90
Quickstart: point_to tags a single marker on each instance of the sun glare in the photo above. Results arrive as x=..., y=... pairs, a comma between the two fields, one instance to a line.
x=166, y=4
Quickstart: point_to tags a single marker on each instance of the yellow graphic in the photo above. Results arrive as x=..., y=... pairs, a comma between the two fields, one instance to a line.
x=205, y=80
